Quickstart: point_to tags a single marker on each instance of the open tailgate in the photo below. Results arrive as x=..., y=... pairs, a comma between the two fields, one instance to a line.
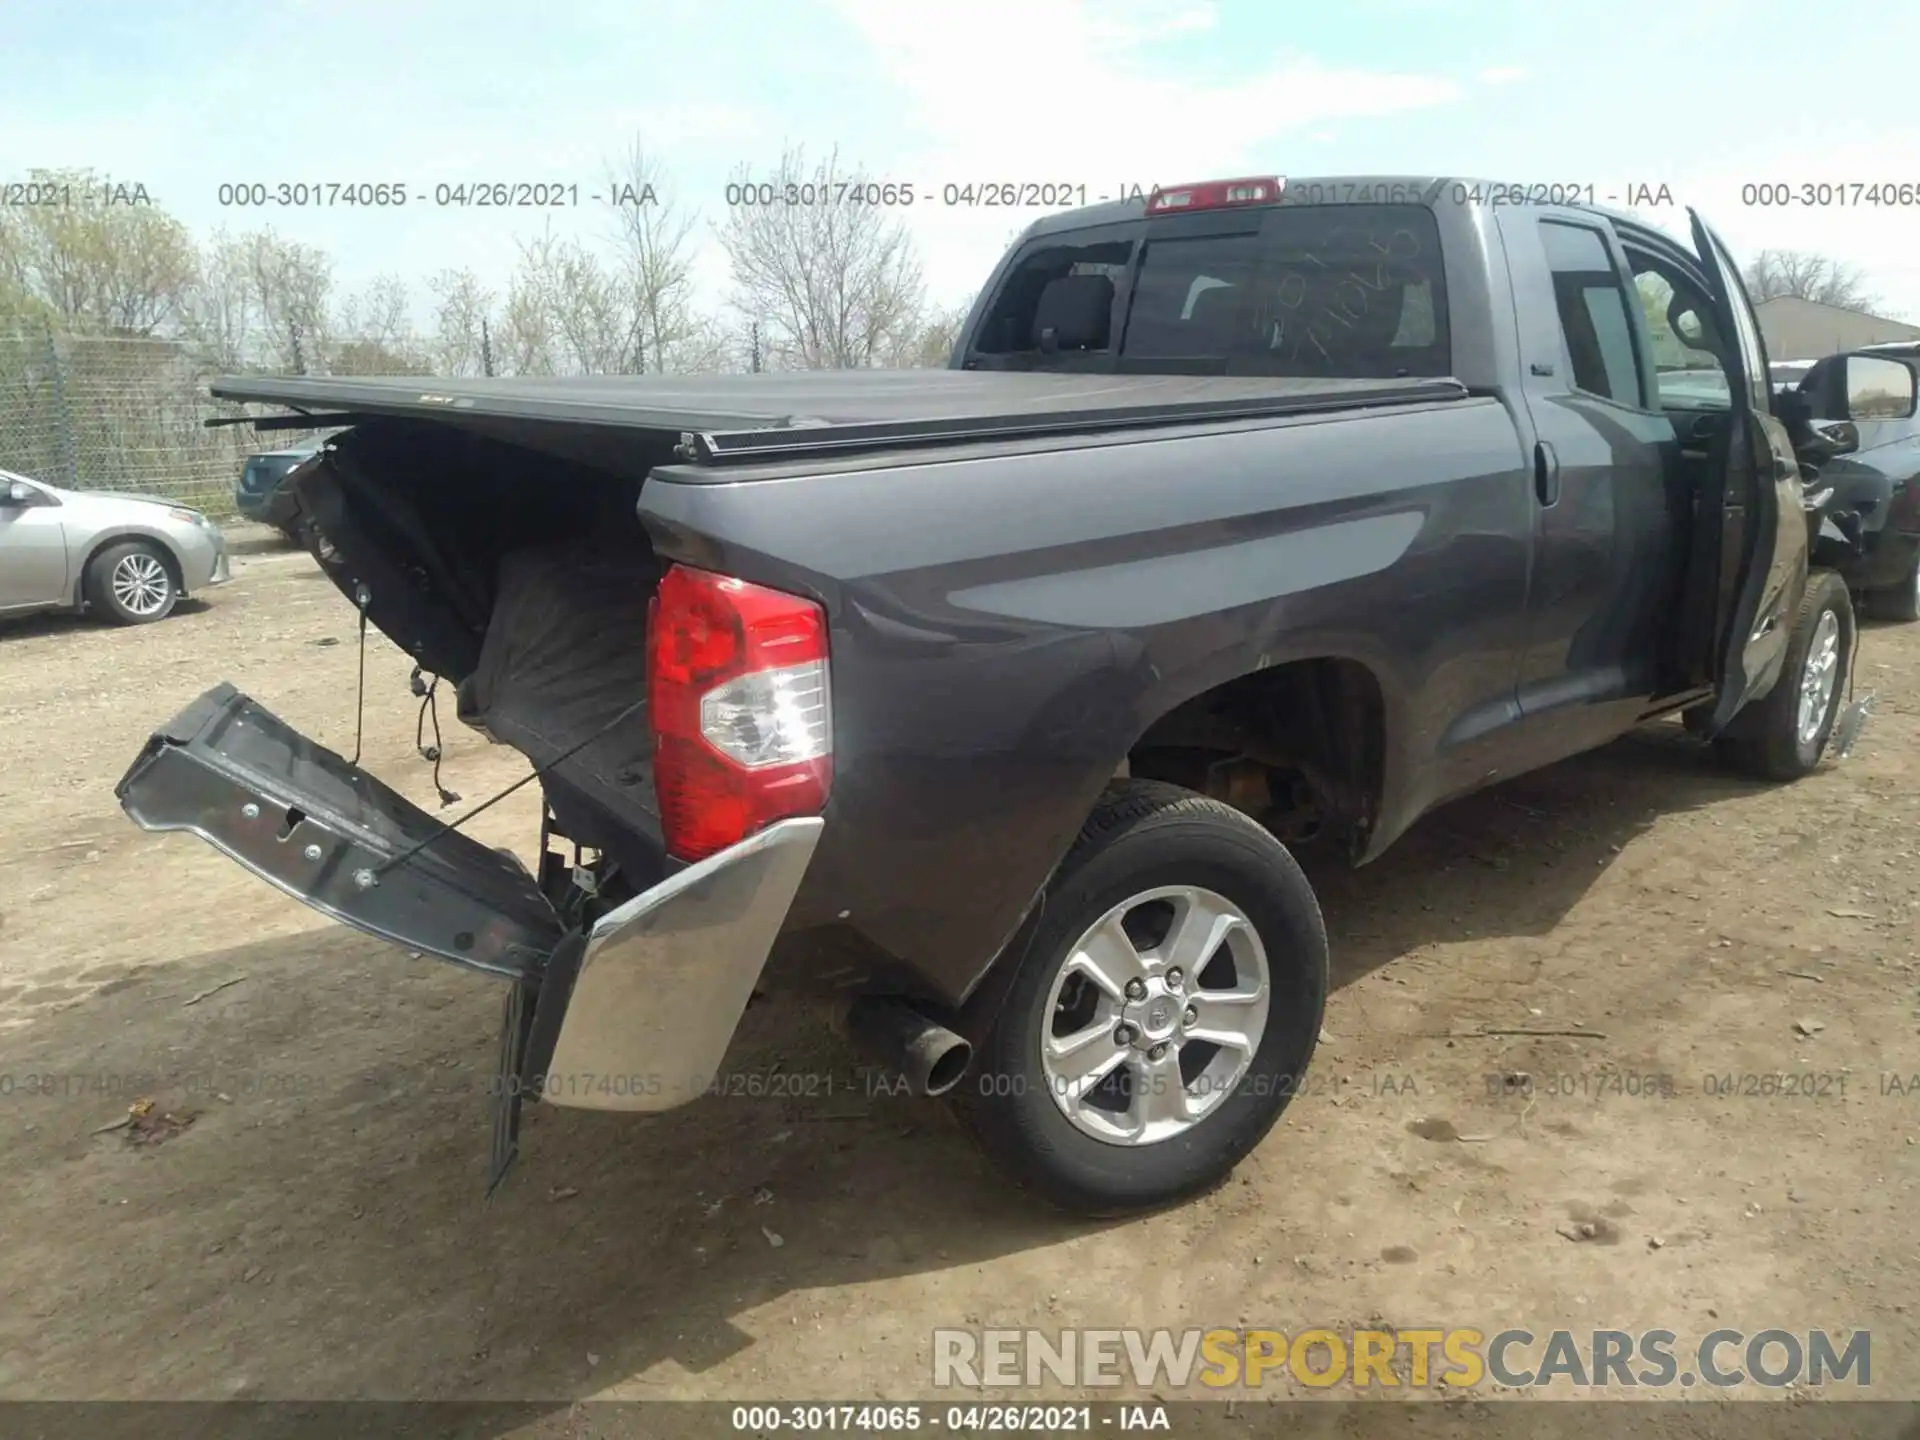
x=634, y=1012
x=303, y=819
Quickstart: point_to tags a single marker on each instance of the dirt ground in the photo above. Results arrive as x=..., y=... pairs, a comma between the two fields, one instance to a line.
x=317, y=1229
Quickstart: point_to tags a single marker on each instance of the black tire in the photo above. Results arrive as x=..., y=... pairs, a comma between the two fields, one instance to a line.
x=1144, y=835
x=1765, y=739
x=1902, y=601
x=132, y=583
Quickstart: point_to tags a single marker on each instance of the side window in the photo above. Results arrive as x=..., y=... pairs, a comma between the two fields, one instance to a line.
x=1592, y=301
x=1688, y=372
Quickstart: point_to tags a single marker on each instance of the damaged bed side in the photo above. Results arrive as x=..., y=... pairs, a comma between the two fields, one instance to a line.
x=523, y=580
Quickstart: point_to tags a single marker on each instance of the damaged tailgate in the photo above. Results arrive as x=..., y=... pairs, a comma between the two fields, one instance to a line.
x=305, y=820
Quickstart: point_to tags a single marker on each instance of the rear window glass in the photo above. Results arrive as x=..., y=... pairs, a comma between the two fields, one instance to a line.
x=1321, y=290
x=1191, y=300
x=264, y=472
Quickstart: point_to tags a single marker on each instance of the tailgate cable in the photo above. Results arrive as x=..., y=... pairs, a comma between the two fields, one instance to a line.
x=447, y=827
x=419, y=685
x=362, y=598
x=360, y=702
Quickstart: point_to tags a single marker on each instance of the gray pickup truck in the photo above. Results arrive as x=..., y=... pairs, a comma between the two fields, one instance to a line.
x=986, y=703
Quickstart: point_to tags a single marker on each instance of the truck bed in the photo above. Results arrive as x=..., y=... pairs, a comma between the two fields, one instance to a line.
x=753, y=417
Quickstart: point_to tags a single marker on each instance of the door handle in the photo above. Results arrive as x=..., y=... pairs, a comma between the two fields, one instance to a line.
x=1546, y=474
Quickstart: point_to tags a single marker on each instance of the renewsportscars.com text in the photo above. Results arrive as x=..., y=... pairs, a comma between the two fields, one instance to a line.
x=1366, y=1359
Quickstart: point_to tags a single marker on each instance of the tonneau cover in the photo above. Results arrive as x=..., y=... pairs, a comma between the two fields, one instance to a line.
x=729, y=416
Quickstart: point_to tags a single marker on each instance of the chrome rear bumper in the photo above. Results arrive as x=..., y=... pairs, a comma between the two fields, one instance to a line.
x=636, y=1014
x=665, y=978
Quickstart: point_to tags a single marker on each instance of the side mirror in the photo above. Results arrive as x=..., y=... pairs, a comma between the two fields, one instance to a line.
x=18, y=495
x=1877, y=388
x=1860, y=387
x=1686, y=323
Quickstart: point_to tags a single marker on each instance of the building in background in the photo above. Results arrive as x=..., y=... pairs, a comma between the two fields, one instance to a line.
x=1797, y=329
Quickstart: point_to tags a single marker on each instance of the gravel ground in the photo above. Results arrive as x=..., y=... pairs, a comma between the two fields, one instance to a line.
x=310, y=1223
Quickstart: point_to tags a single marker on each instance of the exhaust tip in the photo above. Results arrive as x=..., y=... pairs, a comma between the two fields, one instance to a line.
x=931, y=1057
x=948, y=1069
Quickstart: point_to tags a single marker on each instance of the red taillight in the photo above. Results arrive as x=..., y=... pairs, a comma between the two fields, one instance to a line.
x=738, y=693
x=1215, y=194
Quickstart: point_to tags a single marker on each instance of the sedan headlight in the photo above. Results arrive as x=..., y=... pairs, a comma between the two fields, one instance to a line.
x=192, y=517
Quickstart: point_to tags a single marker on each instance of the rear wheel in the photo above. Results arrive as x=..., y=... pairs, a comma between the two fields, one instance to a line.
x=131, y=584
x=1782, y=736
x=1163, y=1013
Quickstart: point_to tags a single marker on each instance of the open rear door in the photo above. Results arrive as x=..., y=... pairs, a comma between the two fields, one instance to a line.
x=1749, y=561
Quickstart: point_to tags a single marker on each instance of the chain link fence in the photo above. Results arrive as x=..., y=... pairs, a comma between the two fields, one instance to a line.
x=112, y=413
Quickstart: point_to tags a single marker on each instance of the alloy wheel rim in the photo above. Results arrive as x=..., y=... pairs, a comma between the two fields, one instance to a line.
x=140, y=584
x=1155, y=1016
x=1818, y=677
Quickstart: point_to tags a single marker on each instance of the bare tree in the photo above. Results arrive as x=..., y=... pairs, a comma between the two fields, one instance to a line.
x=462, y=309
x=1807, y=276
x=567, y=313
x=291, y=283
x=378, y=314
x=221, y=311
x=117, y=265
x=710, y=346
x=833, y=281
x=527, y=330
x=655, y=243
x=928, y=345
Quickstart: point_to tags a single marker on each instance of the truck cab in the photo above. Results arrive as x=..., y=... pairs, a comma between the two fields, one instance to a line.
x=1666, y=542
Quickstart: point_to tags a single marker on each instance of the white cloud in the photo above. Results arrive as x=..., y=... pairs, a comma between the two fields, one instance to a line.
x=1503, y=74
x=1078, y=101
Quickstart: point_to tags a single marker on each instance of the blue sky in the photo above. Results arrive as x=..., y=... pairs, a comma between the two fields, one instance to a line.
x=1704, y=97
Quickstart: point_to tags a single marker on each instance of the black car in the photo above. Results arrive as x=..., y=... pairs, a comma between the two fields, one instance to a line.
x=1876, y=481
x=259, y=495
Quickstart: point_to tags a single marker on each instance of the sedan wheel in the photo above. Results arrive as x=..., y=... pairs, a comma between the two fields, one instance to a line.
x=141, y=585
x=130, y=584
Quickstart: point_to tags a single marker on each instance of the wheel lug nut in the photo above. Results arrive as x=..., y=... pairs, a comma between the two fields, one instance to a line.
x=1158, y=1052
x=1191, y=1016
x=1173, y=977
x=1123, y=1036
x=1136, y=989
